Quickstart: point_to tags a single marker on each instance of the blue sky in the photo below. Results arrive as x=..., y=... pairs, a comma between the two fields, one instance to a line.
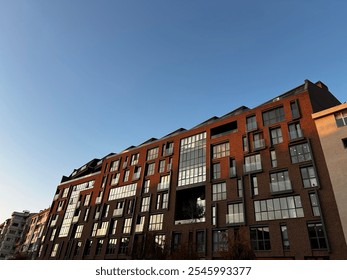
x=81, y=79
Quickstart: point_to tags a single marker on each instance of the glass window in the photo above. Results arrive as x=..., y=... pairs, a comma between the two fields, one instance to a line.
x=134, y=159
x=220, y=150
x=114, y=165
x=280, y=182
x=123, y=248
x=176, y=241
x=251, y=123
x=285, y=240
x=145, y=203
x=111, y=246
x=220, y=241
x=200, y=242
x=152, y=153
x=245, y=144
x=273, y=157
x=308, y=176
x=219, y=191
x=162, y=200
x=150, y=169
x=235, y=214
x=239, y=188
x=341, y=118
x=156, y=222
x=300, y=153
x=232, y=168
x=278, y=208
x=127, y=225
x=161, y=166
x=314, y=204
x=273, y=116
x=216, y=171
x=146, y=185
x=294, y=107
x=126, y=176
x=164, y=183
x=317, y=236
x=122, y=192
x=295, y=131
x=252, y=163
x=276, y=136
x=192, y=164
x=260, y=238
x=258, y=141
x=254, y=185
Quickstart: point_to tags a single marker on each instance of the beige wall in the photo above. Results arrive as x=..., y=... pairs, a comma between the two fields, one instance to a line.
x=335, y=155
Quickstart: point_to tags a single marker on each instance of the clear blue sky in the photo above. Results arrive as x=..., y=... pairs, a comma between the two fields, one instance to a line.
x=81, y=79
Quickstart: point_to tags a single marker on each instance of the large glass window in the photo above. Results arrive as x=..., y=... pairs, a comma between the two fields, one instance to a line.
x=280, y=182
x=300, y=153
x=235, y=214
x=127, y=225
x=219, y=191
x=278, y=208
x=260, y=238
x=122, y=192
x=192, y=165
x=273, y=116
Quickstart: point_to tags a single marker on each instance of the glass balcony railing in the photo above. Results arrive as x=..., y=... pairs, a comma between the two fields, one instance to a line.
x=251, y=167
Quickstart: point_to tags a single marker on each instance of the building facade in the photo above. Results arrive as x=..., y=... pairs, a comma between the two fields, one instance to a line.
x=250, y=184
x=31, y=241
x=332, y=129
x=11, y=234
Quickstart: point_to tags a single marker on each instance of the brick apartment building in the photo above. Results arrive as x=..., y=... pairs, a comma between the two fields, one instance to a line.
x=254, y=179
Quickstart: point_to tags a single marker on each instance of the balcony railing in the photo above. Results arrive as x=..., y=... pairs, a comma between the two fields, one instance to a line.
x=236, y=218
x=281, y=186
x=251, y=167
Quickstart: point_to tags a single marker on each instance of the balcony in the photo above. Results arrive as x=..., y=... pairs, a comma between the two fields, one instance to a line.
x=252, y=167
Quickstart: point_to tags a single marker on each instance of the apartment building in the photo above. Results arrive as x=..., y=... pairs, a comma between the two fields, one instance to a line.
x=11, y=234
x=332, y=129
x=31, y=240
x=250, y=184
